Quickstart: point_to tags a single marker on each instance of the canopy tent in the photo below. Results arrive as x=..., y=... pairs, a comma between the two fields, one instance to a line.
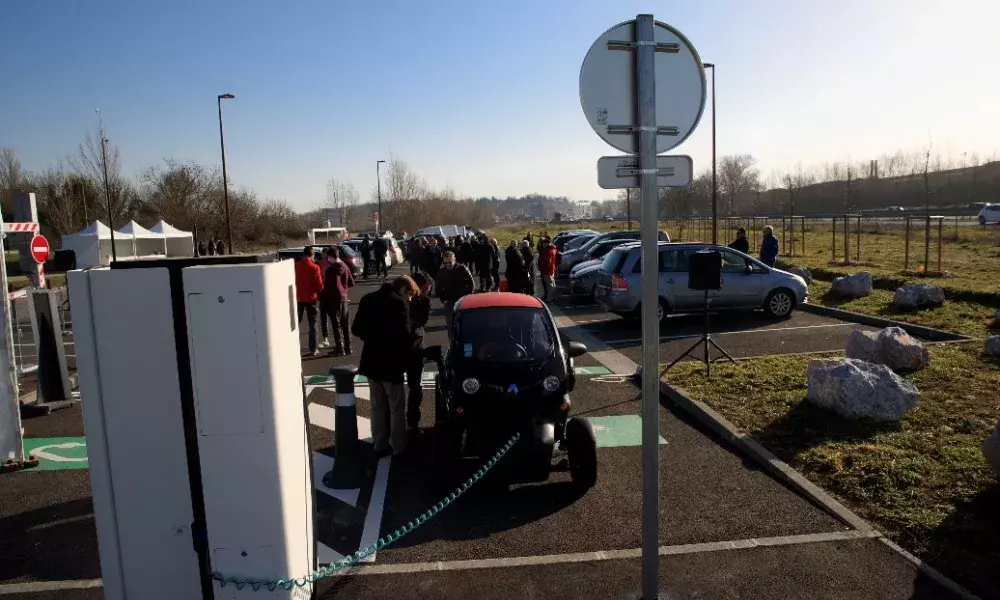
x=93, y=245
x=179, y=243
x=147, y=243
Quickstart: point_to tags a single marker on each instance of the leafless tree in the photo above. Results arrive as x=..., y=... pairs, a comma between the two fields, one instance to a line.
x=13, y=179
x=341, y=197
x=402, y=187
x=89, y=163
x=736, y=176
x=183, y=194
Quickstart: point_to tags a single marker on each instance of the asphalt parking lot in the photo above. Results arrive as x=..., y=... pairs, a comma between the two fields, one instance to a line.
x=727, y=529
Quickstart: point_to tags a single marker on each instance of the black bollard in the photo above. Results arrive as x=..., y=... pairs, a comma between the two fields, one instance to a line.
x=347, y=465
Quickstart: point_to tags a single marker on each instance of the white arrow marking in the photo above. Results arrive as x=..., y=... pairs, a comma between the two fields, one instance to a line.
x=326, y=555
x=324, y=416
x=40, y=453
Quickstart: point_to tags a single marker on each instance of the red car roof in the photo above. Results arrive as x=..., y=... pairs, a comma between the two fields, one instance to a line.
x=498, y=299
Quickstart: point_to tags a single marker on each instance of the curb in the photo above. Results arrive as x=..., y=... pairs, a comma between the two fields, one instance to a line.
x=928, y=333
x=750, y=447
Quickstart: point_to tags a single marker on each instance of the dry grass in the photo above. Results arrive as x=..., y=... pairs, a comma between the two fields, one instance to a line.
x=923, y=481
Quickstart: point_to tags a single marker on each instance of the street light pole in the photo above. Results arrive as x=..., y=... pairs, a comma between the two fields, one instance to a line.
x=715, y=185
x=378, y=185
x=225, y=182
x=107, y=188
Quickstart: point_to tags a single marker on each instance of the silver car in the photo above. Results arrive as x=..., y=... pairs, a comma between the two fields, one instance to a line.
x=583, y=278
x=746, y=282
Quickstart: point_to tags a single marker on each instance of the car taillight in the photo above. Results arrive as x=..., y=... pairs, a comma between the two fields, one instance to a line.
x=618, y=282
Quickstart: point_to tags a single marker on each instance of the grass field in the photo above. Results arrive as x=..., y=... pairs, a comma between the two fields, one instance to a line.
x=922, y=481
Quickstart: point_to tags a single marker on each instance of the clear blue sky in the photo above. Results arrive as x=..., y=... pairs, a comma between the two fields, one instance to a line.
x=480, y=95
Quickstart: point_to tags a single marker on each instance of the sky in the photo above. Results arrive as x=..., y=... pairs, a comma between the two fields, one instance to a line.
x=481, y=96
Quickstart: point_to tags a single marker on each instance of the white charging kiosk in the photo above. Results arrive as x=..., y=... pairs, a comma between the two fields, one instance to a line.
x=197, y=435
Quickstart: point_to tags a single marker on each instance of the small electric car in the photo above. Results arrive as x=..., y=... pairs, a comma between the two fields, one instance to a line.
x=507, y=370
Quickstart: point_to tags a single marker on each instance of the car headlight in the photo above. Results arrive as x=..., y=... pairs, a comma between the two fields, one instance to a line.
x=550, y=383
x=470, y=386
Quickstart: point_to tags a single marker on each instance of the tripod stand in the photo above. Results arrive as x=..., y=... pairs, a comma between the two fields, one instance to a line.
x=706, y=339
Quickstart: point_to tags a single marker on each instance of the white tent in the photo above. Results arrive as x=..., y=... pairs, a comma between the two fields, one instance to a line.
x=147, y=243
x=179, y=243
x=93, y=245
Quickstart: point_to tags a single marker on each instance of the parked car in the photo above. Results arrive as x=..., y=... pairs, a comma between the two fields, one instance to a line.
x=576, y=242
x=989, y=214
x=355, y=245
x=583, y=278
x=506, y=371
x=348, y=255
x=570, y=259
x=746, y=283
x=396, y=253
x=563, y=237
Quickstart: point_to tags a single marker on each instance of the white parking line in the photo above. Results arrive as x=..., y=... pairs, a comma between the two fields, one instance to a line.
x=631, y=553
x=664, y=338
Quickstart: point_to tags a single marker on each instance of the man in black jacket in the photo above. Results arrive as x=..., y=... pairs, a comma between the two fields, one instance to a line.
x=453, y=282
x=382, y=322
x=483, y=255
x=381, y=248
x=420, y=310
x=740, y=243
x=365, y=250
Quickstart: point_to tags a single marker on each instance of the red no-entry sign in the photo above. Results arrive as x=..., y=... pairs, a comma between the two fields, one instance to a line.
x=40, y=249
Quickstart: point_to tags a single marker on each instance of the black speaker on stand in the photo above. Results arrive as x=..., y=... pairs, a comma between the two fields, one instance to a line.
x=704, y=273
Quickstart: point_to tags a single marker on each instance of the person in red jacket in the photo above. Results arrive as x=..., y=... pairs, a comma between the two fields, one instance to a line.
x=547, y=262
x=308, y=285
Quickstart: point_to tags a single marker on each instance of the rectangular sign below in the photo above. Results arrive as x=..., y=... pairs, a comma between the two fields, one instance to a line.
x=619, y=172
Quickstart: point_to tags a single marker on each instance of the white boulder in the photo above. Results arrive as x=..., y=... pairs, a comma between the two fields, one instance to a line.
x=891, y=346
x=853, y=286
x=991, y=449
x=802, y=272
x=918, y=295
x=861, y=344
x=858, y=389
x=993, y=345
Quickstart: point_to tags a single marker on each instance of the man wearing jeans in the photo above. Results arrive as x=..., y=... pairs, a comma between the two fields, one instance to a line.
x=382, y=322
x=308, y=285
x=334, y=301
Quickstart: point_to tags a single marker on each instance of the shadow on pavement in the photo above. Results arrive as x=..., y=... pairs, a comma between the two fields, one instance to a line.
x=412, y=491
x=56, y=542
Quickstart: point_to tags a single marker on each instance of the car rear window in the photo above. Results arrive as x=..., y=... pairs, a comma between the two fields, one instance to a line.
x=505, y=335
x=614, y=260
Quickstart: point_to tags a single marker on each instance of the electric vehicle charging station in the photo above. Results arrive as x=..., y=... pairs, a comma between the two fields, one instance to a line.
x=196, y=425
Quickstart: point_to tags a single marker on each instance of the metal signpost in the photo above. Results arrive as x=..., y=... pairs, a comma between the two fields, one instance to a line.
x=618, y=92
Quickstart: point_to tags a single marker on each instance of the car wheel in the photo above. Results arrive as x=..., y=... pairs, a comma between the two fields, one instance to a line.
x=780, y=303
x=661, y=312
x=982, y=220
x=581, y=452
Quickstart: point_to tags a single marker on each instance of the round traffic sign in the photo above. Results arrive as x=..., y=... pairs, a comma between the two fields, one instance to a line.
x=608, y=95
x=39, y=248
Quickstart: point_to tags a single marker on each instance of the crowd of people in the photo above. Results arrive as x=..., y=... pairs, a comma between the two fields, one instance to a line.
x=211, y=247
x=391, y=320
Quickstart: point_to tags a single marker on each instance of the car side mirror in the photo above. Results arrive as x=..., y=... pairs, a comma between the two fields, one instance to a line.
x=576, y=349
x=433, y=354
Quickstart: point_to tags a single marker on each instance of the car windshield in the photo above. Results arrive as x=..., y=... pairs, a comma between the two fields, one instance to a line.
x=346, y=251
x=505, y=335
x=613, y=259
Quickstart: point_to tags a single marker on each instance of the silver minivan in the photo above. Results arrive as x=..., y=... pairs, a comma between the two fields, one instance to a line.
x=747, y=283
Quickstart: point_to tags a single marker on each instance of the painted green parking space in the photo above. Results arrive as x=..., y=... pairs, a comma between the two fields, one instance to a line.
x=593, y=371
x=619, y=431
x=57, y=453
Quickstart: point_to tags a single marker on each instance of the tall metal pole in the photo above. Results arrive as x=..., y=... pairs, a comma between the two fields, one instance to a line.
x=646, y=109
x=225, y=181
x=107, y=196
x=378, y=186
x=628, y=206
x=715, y=181
x=11, y=442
